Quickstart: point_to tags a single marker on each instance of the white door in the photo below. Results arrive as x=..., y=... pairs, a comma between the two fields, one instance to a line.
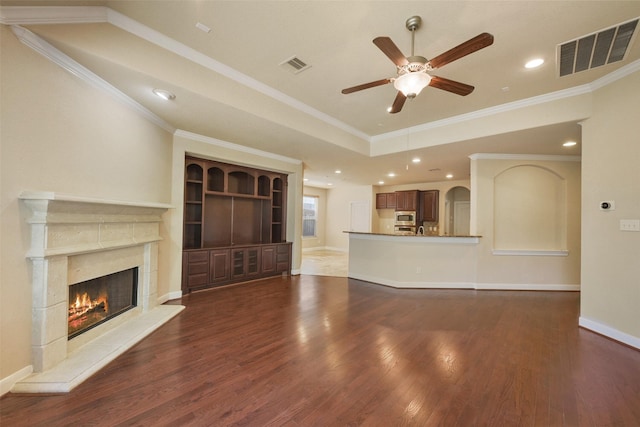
x=360, y=217
x=461, y=218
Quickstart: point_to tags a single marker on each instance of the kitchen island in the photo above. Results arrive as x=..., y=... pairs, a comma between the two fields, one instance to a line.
x=408, y=261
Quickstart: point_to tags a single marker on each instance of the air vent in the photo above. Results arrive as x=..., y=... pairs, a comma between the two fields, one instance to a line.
x=295, y=65
x=594, y=50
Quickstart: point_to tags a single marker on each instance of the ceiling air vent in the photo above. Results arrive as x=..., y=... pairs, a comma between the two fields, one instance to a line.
x=295, y=65
x=593, y=50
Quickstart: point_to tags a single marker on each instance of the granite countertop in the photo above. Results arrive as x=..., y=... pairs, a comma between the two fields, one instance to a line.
x=407, y=235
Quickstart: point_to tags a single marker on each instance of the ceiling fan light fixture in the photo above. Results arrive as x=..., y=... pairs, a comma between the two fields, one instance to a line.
x=411, y=84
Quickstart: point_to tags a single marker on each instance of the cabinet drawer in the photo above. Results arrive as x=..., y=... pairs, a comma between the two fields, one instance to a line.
x=198, y=279
x=198, y=268
x=199, y=256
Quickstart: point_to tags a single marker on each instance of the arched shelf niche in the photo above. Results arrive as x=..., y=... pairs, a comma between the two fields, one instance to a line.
x=529, y=209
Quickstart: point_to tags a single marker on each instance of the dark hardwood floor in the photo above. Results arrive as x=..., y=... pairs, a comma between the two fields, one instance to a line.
x=328, y=351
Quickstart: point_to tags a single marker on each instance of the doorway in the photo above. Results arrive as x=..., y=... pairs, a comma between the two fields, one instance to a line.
x=457, y=211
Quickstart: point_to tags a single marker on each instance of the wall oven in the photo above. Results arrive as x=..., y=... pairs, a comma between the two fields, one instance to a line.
x=405, y=222
x=405, y=229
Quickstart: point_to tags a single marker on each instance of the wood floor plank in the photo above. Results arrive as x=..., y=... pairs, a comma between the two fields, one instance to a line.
x=331, y=351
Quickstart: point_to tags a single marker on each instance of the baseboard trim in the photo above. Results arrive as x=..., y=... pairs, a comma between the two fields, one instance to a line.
x=169, y=296
x=609, y=332
x=526, y=287
x=325, y=248
x=466, y=285
x=7, y=383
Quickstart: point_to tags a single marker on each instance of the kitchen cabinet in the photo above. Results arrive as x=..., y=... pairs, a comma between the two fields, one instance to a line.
x=385, y=200
x=429, y=205
x=407, y=200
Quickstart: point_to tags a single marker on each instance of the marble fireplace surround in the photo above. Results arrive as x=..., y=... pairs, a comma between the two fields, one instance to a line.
x=74, y=239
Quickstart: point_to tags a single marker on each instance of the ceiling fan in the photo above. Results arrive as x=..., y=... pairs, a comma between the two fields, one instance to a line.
x=413, y=70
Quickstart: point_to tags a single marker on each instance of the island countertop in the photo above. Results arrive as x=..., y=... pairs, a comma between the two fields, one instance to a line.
x=415, y=237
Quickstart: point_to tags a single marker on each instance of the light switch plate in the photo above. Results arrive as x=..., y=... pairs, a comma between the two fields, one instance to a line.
x=630, y=224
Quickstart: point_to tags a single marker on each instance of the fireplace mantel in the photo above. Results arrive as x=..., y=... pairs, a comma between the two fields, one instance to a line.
x=74, y=239
x=66, y=225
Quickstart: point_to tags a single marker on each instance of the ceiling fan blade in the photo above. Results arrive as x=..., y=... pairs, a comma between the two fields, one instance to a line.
x=390, y=49
x=366, y=86
x=450, y=86
x=398, y=103
x=478, y=42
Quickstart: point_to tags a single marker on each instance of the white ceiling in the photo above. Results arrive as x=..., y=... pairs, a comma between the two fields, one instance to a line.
x=229, y=83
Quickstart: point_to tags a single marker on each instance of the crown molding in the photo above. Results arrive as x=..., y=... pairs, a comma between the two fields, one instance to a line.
x=486, y=112
x=134, y=27
x=16, y=15
x=532, y=157
x=28, y=15
x=54, y=55
x=236, y=147
x=616, y=75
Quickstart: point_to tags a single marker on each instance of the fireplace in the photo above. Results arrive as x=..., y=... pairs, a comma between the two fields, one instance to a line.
x=97, y=300
x=94, y=285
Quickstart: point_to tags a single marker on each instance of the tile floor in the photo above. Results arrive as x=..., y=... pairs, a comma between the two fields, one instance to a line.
x=324, y=262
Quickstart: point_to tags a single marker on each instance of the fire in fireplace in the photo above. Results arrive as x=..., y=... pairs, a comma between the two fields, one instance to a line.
x=98, y=300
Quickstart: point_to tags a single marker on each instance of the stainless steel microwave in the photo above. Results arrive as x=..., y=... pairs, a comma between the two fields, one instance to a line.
x=405, y=218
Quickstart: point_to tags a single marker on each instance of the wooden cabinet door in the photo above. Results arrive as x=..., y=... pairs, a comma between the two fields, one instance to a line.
x=430, y=205
x=392, y=200
x=385, y=200
x=268, y=260
x=245, y=263
x=219, y=266
x=407, y=200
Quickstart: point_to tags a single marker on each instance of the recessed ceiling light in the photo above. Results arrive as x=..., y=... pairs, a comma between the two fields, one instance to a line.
x=449, y=176
x=380, y=182
x=416, y=160
x=329, y=183
x=569, y=144
x=391, y=175
x=306, y=179
x=164, y=94
x=338, y=171
x=534, y=63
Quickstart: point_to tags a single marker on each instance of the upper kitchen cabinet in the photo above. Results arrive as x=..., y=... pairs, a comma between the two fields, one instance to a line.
x=429, y=206
x=385, y=200
x=407, y=200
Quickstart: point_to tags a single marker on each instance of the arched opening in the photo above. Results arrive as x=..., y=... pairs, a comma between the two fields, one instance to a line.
x=457, y=208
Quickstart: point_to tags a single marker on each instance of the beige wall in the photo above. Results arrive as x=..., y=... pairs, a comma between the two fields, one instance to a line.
x=339, y=212
x=61, y=135
x=319, y=240
x=611, y=171
x=541, y=269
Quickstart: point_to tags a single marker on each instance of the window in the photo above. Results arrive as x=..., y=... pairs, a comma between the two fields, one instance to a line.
x=309, y=215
